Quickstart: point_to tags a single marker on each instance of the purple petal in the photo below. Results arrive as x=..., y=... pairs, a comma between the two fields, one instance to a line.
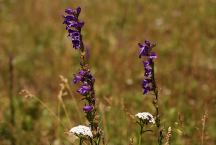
x=87, y=108
x=69, y=11
x=153, y=55
x=78, y=10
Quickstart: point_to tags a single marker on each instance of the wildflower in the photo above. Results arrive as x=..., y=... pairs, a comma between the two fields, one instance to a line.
x=84, y=89
x=81, y=131
x=146, y=51
x=77, y=78
x=73, y=26
x=87, y=108
x=146, y=85
x=83, y=76
x=80, y=76
x=145, y=117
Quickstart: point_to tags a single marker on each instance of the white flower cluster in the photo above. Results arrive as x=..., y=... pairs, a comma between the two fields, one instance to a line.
x=146, y=116
x=81, y=130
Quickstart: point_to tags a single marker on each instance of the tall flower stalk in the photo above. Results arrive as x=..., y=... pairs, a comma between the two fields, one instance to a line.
x=149, y=82
x=84, y=76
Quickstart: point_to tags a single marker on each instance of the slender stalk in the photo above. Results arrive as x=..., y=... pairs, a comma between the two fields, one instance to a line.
x=80, y=142
x=62, y=102
x=203, y=128
x=140, y=135
x=155, y=102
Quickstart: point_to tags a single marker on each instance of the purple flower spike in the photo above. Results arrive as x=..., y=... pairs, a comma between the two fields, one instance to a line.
x=73, y=26
x=145, y=51
x=87, y=108
x=84, y=90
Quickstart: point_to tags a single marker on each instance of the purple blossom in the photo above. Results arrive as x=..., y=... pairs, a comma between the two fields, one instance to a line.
x=87, y=108
x=83, y=76
x=147, y=68
x=84, y=90
x=145, y=51
x=87, y=81
x=73, y=26
x=82, y=72
x=79, y=76
x=73, y=12
x=153, y=55
x=146, y=85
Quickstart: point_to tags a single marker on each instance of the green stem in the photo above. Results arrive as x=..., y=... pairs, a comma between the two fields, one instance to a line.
x=91, y=142
x=140, y=136
x=80, y=142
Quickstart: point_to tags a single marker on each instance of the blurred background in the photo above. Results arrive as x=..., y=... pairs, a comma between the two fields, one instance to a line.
x=35, y=50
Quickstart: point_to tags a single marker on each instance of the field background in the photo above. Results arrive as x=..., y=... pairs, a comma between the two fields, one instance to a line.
x=32, y=33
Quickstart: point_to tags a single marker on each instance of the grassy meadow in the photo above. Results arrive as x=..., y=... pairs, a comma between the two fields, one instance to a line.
x=35, y=51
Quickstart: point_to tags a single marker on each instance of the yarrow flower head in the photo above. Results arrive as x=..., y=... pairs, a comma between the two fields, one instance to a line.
x=73, y=26
x=146, y=51
x=81, y=131
x=145, y=117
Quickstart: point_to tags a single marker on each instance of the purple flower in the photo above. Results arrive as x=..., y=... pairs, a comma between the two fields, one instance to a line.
x=146, y=85
x=83, y=76
x=73, y=12
x=84, y=90
x=77, y=78
x=73, y=26
x=153, y=55
x=82, y=72
x=145, y=51
x=87, y=108
x=147, y=68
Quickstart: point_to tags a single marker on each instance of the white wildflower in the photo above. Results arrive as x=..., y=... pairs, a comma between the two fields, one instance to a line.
x=81, y=131
x=146, y=116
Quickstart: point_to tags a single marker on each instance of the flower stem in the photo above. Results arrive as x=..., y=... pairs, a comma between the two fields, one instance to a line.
x=140, y=135
x=155, y=102
x=80, y=142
